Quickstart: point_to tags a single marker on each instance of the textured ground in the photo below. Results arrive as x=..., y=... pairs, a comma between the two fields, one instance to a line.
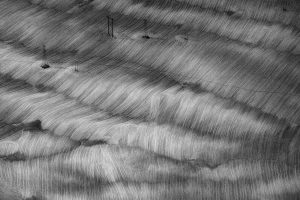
x=191, y=99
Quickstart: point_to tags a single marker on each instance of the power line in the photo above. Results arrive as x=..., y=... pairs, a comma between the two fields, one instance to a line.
x=215, y=82
x=125, y=36
x=220, y=83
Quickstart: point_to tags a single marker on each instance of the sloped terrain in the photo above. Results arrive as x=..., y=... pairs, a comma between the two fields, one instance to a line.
x=190, y=99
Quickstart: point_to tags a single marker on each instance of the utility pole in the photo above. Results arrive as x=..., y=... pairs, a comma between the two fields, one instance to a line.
x=146, y=36
x=44, y=52
x=110, y=26
x=45, y=65
x=145, y=27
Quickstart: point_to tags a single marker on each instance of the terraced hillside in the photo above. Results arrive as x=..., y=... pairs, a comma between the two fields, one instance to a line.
x=187, y=99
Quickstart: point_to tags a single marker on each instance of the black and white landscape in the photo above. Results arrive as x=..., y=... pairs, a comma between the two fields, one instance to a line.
x=149, y=99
